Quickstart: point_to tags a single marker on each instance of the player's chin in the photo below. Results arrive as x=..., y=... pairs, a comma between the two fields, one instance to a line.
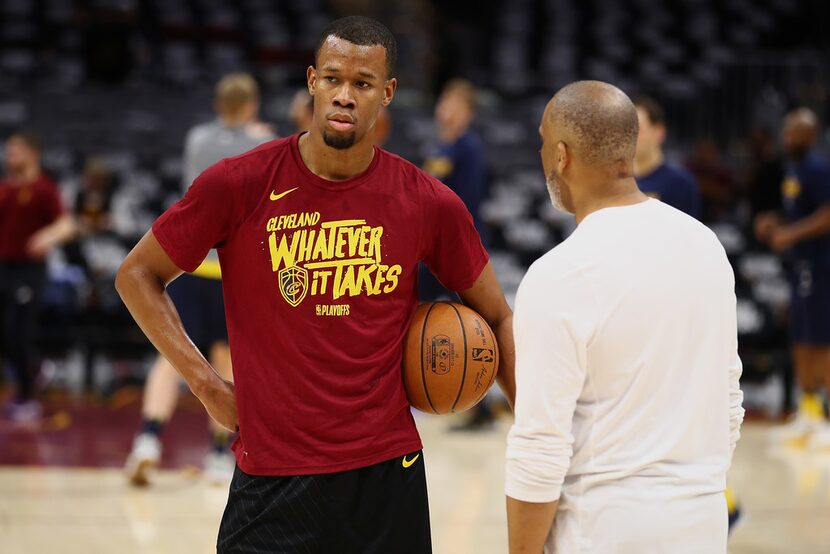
x=339, y=140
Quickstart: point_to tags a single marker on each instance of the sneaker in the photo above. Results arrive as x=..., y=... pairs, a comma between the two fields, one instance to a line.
x=144, y=457
x=794, y=434
x=819, y=440
x=797, y=433
x=28, y=411
x=219, y=467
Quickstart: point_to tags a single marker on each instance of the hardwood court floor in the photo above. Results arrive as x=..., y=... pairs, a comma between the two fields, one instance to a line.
x=785, y=498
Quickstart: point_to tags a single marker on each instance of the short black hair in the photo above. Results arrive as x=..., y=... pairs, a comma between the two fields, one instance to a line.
x=28, y=136
x=363, y=31
x=653, y=110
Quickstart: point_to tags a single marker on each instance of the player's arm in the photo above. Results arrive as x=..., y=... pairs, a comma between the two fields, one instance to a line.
x=529, y=524
x=141, y=282
x=60, y=231
x=553, y=318
x=814, y=225
x=487, y=298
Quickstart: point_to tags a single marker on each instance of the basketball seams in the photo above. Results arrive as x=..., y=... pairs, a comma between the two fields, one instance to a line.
x=466, y=356
x=423, y=370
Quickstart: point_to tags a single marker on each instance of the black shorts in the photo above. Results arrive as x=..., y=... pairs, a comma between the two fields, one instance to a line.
x=200, y=305
x=377, y=509
x=810, y=307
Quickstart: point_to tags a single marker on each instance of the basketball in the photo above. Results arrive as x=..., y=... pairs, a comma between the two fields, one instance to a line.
x=450, y=358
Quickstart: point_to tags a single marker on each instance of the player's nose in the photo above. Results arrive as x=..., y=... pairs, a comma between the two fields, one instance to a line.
x=344, y=96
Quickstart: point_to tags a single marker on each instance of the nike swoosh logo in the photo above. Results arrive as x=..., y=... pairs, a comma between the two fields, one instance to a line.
x=407, y=463
x=275, y=196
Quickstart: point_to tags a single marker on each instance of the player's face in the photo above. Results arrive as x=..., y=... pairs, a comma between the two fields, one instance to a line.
x=650, y=135
x=794, y=138
x=19, y=155
x=452, y=110
x=349, y=86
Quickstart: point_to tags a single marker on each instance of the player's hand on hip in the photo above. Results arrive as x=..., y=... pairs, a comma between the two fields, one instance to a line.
x=220, y=403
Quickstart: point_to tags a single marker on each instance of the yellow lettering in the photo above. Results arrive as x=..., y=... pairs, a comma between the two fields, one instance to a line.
x=282, y=254
x=374, y=243
x=364, y=241
x=392, y=278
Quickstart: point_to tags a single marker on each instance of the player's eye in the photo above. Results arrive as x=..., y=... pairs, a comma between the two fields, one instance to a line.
x=329, y=78
x=362, y=84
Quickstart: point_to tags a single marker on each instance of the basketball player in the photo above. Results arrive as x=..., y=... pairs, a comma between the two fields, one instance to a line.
x=804, y=234
x=198, y=296
x=32, y=222
x=319, y=236
x=656, y=177
x=628, y=406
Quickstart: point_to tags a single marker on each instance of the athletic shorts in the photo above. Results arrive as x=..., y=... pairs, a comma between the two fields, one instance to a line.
x=810, y=306
x=200, y=305
x=380, y=509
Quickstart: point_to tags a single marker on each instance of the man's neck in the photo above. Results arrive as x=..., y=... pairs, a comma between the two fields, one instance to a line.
x=644, y=165
x=622, y=192
x=334, y=164
x=448, y=135
x=25, y=176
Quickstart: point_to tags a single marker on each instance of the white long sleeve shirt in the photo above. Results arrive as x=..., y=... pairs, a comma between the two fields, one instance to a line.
x=628, y=406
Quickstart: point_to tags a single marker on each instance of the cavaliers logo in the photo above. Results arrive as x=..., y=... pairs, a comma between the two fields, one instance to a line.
x=442, y=355
x=293, y=284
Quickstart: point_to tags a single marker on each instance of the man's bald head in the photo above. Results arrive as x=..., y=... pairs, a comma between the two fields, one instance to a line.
x=597, y=121
x=800, y=131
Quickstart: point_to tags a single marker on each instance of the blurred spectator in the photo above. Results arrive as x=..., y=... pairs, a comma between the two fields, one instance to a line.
x=383, y=126
x=32, y=222
x=94, y=200
x=655, y=177
x=765, y=173
x=301, y=111
x=198, y=296
x=805, y=233
x=715, y=179
x=458, y=161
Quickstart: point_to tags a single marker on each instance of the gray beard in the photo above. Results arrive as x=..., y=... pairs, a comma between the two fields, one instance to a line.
x=555, y=192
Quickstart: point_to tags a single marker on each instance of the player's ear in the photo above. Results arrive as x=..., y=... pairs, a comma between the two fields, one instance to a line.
x=563, y=156
x=311, y=79
x=389, y=91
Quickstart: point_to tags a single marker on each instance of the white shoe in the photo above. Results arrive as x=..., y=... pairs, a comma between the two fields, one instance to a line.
x=796, y=433
x=145, y=456
x=219, y=467
x=819, y=441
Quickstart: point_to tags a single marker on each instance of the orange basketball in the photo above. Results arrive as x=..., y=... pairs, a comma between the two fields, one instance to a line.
x=450, y=358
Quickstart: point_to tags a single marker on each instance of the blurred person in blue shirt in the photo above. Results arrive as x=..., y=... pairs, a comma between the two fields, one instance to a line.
x=802, y=232
x=657, y=178
x=459, y=162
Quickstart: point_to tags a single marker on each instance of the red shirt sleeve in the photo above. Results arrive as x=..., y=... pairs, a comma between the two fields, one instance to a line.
x=453, y=251
x=203, y=219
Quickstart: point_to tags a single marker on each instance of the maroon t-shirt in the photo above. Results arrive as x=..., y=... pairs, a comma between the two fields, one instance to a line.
x=320, y=283
x=25, y=210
